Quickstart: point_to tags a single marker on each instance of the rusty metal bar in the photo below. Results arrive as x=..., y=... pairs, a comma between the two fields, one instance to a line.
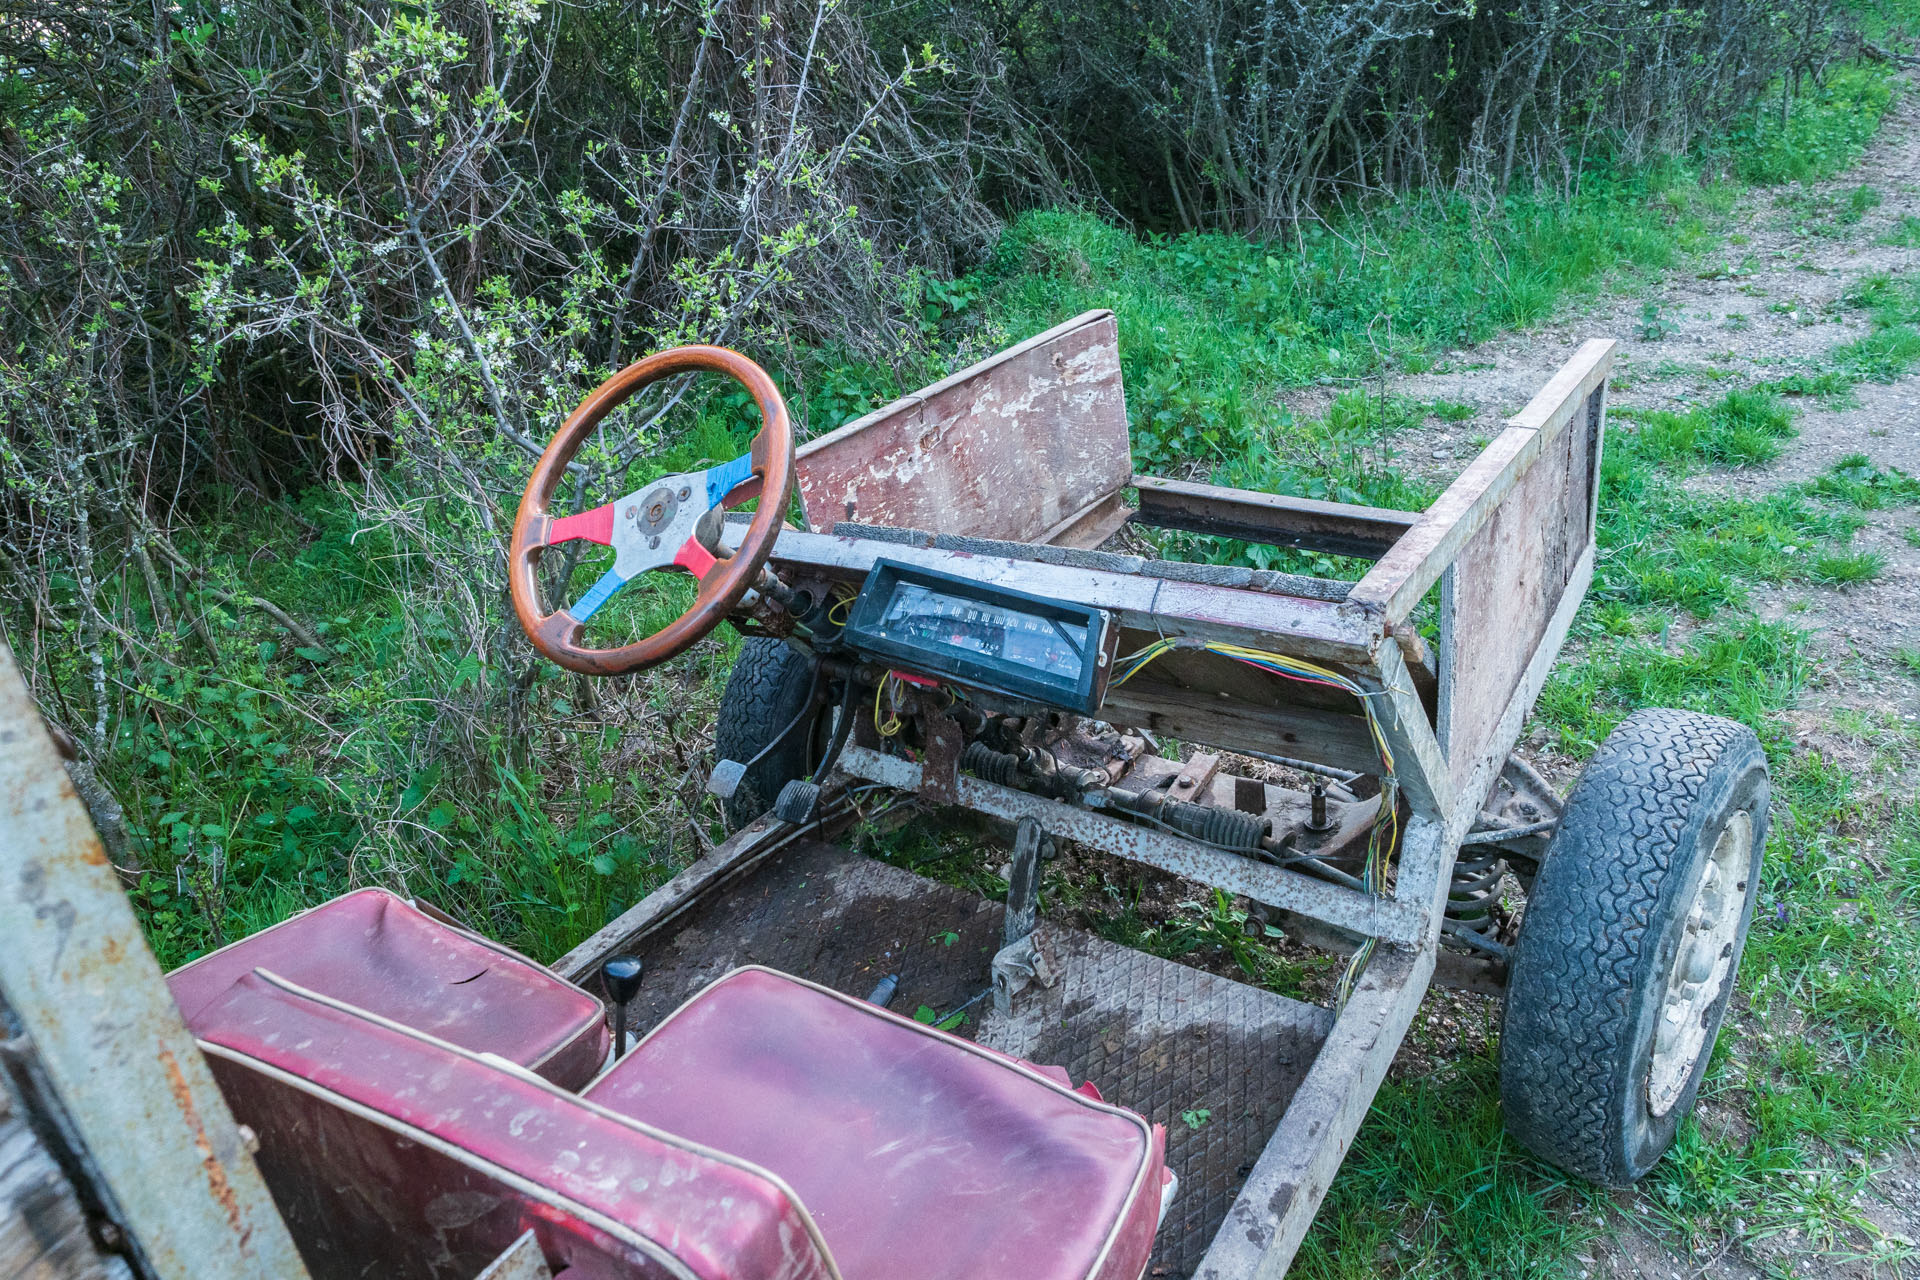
x=1378, y=917
x=77, y=975
x=1321, y=630
x=1334, y=528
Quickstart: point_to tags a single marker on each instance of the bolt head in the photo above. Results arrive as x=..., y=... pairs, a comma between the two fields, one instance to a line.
x=633, y=512
x=654, y=543
x=685, y=494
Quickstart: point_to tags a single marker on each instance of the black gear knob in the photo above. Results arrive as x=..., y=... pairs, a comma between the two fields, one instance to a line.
x=621, y=978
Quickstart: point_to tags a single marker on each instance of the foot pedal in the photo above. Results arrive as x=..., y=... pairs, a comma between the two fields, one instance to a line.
x=725, y=779
x=798, y=802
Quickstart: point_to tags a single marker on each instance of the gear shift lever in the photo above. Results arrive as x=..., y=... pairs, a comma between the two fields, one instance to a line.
x=621, y=978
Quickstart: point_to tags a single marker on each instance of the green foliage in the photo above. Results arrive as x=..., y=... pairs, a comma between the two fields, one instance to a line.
x=1742, y=429
x=284, y=775
x=1824, y=135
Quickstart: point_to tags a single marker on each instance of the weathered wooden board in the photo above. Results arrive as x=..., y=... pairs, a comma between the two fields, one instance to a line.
x=1014, y=447
x=1508, y=582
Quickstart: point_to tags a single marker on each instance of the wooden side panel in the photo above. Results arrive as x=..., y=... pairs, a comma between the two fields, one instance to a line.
x=1508, y=581
x=1014, y=448
x=1405, y=574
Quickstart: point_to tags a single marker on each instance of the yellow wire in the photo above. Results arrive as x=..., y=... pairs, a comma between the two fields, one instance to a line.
x=1388, y=819
x=892, y=725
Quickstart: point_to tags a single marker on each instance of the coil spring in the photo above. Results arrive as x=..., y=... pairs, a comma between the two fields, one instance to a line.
x=983, y=762
x=1474, y=891
x=1227, y=827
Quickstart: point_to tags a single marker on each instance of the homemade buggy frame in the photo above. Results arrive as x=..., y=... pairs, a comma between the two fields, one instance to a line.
x=1009, y=475
x=945, y=631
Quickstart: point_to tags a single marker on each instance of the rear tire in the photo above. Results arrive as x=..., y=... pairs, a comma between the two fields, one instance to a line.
x=1631, y=942
x=767, y=689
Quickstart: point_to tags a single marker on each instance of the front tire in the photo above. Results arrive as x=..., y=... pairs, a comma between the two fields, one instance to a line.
x=770, y=684
x=1631, y=941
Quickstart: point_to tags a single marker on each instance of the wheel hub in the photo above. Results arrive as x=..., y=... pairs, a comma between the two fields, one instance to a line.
x=1702, y=965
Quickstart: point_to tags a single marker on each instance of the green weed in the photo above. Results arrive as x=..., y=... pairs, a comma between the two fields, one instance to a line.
x=1857, y=482
x=1655, y=324
x=1215, y=927
x=1847, y=568
x=1904, y=234
x=1741, y=429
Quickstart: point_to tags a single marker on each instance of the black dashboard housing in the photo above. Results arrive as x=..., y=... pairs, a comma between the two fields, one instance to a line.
x=1080, y=691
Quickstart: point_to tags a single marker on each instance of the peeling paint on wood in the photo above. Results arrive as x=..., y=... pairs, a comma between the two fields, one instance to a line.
x=1012, y=448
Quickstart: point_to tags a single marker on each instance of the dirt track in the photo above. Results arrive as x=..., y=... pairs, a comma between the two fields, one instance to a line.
x=1770, y=300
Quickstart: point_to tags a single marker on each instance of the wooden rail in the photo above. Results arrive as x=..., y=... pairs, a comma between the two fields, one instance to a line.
x=1408, y=571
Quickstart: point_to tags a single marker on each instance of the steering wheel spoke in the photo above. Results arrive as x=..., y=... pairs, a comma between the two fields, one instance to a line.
x=594, y=526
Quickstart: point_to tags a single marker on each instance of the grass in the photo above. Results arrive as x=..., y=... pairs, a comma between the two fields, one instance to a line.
x=1741, y=429
x=1888, y=350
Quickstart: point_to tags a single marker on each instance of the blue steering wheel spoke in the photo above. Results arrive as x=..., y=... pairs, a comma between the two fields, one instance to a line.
x=598, y=594
x=725, y=478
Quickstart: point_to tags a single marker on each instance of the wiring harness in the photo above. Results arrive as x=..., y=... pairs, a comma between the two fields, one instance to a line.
x=1386, y=827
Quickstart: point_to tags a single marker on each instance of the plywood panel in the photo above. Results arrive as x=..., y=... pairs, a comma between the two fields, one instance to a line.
x=1011, y=448
x=1508, y=582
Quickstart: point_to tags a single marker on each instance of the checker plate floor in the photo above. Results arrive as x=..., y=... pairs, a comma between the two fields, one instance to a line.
x=1153, y=1035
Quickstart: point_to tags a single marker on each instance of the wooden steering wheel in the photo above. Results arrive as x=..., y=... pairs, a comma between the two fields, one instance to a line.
x=658, y=525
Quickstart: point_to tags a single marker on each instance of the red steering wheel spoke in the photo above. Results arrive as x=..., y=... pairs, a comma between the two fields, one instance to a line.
x=694, y=558
x=594, y=526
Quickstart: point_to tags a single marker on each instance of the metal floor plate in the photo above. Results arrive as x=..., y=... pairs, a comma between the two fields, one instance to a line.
x=1153, y=1035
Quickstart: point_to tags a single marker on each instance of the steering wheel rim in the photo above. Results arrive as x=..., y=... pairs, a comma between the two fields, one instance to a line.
x=766, y=470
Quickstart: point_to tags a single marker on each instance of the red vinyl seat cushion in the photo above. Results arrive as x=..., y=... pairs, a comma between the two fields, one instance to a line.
x=390, y=1153
x=381, y=953
x=918, y=1154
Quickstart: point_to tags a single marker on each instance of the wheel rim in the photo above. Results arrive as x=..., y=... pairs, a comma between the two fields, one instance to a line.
x=1702, y=964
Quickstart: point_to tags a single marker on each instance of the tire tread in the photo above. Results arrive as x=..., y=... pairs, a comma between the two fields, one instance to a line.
x=1570, y=1001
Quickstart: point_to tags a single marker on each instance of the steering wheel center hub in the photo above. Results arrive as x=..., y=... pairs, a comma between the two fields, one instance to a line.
x=656, y=511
